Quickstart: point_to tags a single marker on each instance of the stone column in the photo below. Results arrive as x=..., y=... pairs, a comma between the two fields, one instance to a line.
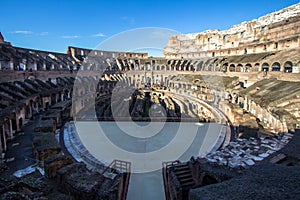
x=4, y=138
x=1, y=150
x=35, y=66
x=11, y=65
x=11, y=136
x=30, y=110
x=17, y=123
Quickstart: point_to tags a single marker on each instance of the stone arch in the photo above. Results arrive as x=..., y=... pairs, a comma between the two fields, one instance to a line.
x=248, y=67
x=47, y=105
x=59, y=97
x=28, y=111
x=207, y=179
x=31, y=77
x=210, y=67
x=187, y=68
x=239, y=68
x=192, y=68
x=20, y=122
x=265, y=67
x=257, y=67
x=166, y=81
x=168, y=68
x=200, y=66
x=30, y=108
x=288, y=67
x=39, y=102
x=157, y=67
x=7, y=128
x=276, y=66
x=14, y=122
x=224, y=67
x=217, y=67
x=232, y=68
x=163, y=67
x=148, y=81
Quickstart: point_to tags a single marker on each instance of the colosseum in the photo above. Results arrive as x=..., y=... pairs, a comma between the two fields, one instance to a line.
x=235, y=93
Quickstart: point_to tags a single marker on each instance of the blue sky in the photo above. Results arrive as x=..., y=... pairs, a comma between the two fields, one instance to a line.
x=54, y=25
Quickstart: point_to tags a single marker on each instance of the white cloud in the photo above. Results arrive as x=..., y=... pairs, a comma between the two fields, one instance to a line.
x=22, y=32
x=98, y=35
x=26, y=32
x=70, y=36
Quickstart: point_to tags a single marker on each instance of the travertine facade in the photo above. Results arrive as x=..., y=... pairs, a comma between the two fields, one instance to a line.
x=273, y=32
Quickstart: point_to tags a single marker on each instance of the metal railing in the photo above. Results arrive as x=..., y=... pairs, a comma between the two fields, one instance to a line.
x=121, y=167
x=165, y=166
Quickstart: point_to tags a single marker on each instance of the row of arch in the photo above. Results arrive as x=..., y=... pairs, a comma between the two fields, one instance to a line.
x=13, y=119
x=276, y=66
x=226, y=67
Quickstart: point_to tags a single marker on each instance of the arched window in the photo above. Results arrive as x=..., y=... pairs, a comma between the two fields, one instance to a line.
x=288, y=67
x=276, y=66
x=265, y=67
x=232, y=68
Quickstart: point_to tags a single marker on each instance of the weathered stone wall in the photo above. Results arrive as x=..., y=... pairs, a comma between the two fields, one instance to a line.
x=7, y=76
x=272, y=32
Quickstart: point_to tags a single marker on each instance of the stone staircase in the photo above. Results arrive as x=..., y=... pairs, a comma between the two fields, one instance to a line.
x=182, y=180
x=184, y=175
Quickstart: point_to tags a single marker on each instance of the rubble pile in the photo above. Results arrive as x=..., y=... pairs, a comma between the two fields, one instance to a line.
x=246, y=152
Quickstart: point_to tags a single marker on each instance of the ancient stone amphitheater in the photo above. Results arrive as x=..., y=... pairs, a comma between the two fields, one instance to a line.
x=245, y=79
